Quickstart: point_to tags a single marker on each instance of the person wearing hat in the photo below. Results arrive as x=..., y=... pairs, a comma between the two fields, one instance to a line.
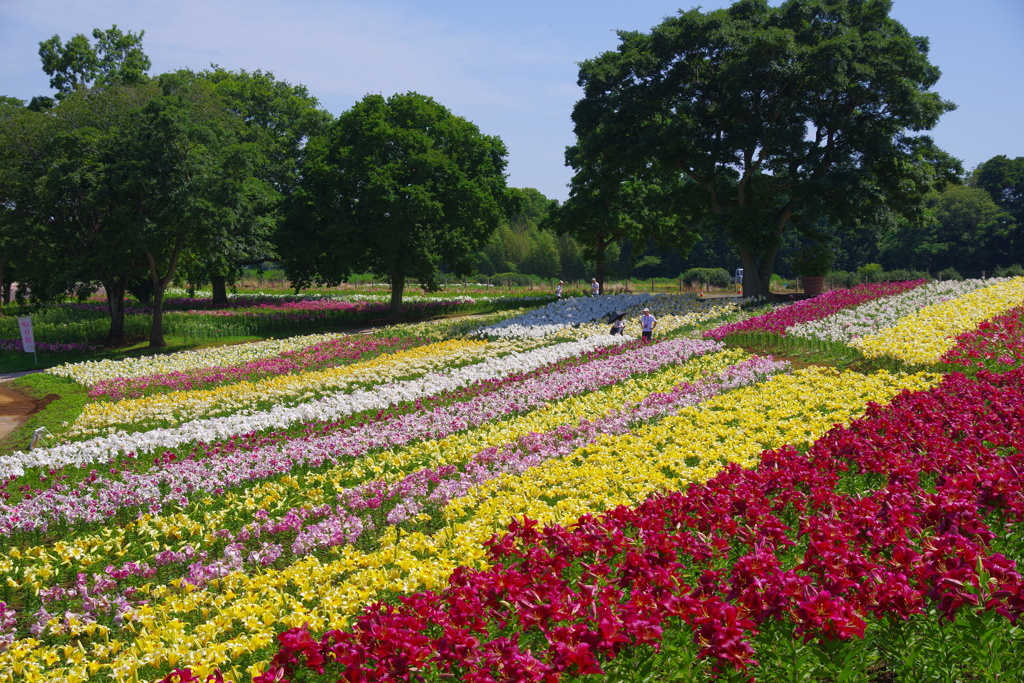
x=647, y=324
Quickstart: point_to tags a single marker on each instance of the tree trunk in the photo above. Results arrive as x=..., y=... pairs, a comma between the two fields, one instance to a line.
x=757, y=273
x=599, y=264
x=115, y=290
x=219, y=283
x=397, y=287
x=156, y=330
x=2, y=284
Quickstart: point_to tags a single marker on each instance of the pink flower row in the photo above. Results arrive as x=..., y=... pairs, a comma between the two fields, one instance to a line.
x=334, y=352
x=997, y=344
x=100, y=498
x=821, y=306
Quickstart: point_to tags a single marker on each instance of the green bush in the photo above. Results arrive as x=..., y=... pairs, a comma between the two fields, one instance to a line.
x=870, y=272
x=903, y=275
x=841, y=279
x=515, y=279
x=709, y=277
x=1010, y=271
x=950, y=274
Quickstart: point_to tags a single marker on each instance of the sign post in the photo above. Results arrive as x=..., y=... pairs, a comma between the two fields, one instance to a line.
x=28, y=341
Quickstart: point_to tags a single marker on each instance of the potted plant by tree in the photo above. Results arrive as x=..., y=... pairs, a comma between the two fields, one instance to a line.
x=812, y=264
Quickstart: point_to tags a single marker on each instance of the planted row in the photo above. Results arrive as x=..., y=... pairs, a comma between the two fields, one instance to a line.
x=881, y=548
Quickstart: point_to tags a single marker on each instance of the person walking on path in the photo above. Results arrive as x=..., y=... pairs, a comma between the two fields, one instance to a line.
x=558, y=291
x=647, y=324
x=595, y=288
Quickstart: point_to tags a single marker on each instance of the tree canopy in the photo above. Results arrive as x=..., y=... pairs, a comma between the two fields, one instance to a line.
x=116, y=58
x=395, y=186
x=278, y=119
x=611, y=204
x=797, y=116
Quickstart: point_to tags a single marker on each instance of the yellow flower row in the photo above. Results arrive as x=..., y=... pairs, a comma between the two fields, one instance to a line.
x=393, y=465
x=242, y=613
x=35, y=565
x=181, y=406
x=923, y=337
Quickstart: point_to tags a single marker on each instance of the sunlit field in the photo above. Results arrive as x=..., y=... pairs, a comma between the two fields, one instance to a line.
x=500, y=490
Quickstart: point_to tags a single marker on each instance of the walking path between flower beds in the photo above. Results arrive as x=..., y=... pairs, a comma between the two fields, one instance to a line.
x=15, y=407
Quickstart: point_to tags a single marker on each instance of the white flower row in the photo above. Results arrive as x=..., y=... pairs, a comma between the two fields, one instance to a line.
x=872, y=317
x=104, y=449
x=90, y=373
x=176, y=407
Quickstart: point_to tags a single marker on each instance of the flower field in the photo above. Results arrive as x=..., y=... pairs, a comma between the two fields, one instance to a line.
x=536, y=500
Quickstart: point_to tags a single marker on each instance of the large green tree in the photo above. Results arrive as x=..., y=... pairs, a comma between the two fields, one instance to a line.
x=609, y=203
x=1003, y=178
x=279, y=118
x=396, y=186
x=185, y=181
x=965, y=230
x=788, y=117
x=58, y=163
x=116, y=58
x=127, y=181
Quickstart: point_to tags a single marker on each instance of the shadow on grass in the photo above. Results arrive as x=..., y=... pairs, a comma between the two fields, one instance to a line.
x=801, y=352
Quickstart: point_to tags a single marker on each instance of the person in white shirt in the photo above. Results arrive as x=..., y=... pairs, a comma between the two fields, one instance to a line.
x=647, y=324
x=558, y=290
x=595, y=288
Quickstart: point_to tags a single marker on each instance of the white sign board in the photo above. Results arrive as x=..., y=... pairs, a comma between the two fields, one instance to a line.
x=28, y=341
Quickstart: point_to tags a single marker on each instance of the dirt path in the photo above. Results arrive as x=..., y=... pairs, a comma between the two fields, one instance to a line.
x=15, y=409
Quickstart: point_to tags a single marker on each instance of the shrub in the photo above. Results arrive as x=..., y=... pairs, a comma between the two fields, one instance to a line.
x=814, y=260
x=902, y=275
x=709, y=277
x=870, y=272
x=841, y=279
x=950, y=274
x=1010, y=271
x=516, y=279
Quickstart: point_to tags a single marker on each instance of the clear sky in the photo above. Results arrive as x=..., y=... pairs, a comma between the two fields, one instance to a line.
x=511, y=68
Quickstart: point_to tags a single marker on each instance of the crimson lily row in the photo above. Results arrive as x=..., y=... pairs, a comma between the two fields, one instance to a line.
x=732, y=559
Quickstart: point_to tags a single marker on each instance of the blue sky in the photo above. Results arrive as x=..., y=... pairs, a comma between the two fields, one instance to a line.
x=510, y=68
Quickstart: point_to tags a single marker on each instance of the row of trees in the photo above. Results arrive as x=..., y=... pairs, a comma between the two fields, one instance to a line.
x=128, y=181
x=737, y=135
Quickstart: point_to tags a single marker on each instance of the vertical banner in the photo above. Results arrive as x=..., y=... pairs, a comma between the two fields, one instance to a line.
x=28, y=341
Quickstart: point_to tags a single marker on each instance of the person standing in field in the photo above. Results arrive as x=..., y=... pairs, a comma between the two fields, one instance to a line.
x=647, y=324
x=558, y=291
x=595, y=288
